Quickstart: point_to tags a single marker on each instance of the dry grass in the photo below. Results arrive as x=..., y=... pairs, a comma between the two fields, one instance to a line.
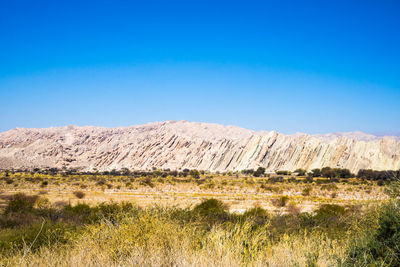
x=283, y=222
x=218, y=251
x=154, y=239
x=240, y=193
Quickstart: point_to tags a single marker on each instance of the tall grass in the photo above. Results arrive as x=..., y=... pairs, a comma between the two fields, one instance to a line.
x=206, y=235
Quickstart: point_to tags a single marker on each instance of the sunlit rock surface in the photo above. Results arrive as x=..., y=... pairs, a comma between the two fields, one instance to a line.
x=182, y=144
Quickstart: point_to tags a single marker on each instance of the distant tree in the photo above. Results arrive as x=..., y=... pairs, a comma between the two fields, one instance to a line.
x=53, y=171
x=300, y=172
x=259, y=172
x=248, y=172
x=335, y=173
x=344, y=173
x=114, y=172
x=157, y=173
x=328, y=172
x=125, y=171
x=283, y=172
x=194, y=173
x=378, y=175
x=174, y=173
x=315, y=173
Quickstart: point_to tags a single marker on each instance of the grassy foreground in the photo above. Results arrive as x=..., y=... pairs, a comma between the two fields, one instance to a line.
x=37, y=233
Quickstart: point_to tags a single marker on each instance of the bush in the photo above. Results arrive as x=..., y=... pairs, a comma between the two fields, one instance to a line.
x=255, y=212
x=306, y=191
x=308, y=179
x=44, y=234
x=21, y=203
x=280, y=202
x=210, y=207
x=379, y=247
x=247, y=172
x=194, y=173
x=273, y=180
x=336, y=173
x=257, y=215
x=79, y=194
x=328, y=214
x=300, y=172
x=147, y=181
x=315, y=173
x=283, y=172
x=379, y=175
x=259, y=172
x=112, y=212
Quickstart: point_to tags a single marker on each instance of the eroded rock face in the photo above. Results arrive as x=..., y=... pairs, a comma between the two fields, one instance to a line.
x=182, y=144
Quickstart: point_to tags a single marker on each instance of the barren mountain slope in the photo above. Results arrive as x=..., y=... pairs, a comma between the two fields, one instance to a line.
x=184, y=144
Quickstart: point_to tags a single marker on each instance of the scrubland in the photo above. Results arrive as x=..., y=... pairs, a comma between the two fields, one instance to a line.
x=209, y=220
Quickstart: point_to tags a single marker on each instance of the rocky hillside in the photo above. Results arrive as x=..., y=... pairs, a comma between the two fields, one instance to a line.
x=181, y=144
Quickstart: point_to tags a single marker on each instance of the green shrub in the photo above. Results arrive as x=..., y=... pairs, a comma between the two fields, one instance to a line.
x=35, y=236
x=283, y=172
x=379, y=247
x=113, y=212
x=330, y=215
x=77, y=213
x=259, y=172
x=210, y=207
x=255, y=212
x=21, y=203
x=195, y=174
x=300, y=172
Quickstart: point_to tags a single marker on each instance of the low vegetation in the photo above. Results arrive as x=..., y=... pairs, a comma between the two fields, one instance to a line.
x=110, y=234
x=294, y=219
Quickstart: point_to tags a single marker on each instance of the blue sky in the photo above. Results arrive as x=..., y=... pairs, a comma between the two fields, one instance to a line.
x=290, y=66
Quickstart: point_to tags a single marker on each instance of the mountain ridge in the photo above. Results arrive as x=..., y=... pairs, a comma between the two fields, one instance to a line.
x=183, y=144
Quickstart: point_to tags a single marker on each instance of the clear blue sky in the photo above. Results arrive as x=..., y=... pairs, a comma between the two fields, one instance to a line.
x=290, y=66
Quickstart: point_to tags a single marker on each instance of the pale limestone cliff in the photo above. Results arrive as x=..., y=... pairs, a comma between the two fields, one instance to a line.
x=182, y=144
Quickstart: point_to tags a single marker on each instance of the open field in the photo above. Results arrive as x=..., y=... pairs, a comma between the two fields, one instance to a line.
x=206, y=220
x=238, y=192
